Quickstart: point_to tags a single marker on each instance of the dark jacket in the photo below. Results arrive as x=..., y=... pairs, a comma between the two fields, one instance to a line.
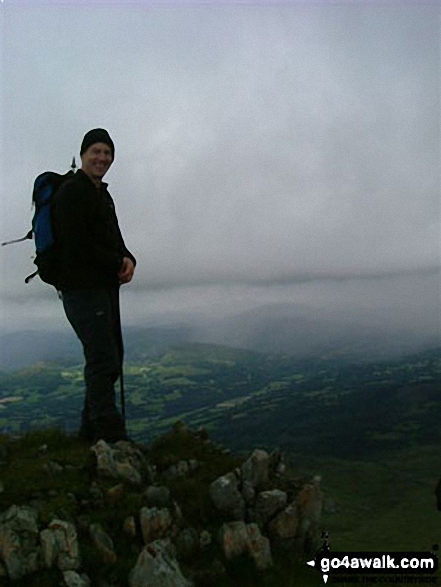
x=91, y=246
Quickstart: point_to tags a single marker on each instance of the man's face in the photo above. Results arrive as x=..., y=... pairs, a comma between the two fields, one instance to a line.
x=95, y=162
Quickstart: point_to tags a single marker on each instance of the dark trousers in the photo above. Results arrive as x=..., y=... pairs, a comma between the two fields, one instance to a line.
x=94, y=316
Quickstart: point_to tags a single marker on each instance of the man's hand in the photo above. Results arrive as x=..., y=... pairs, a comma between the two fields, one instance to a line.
x=127, y=270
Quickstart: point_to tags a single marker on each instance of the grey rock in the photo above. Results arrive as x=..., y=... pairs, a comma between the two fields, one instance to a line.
x=49, y=547
x=122, y=461
x=233, y=537
x=103, y=543
x=227, y=498
x=238, y=538
x=248, y=492
x=255, y=469
x=275, y=462
x=157, y=567
x=309, y=503
x=280, y=470
x=19, y=547
x=73, y=579
x=285, y=525
x=268, y=504
x=277, y=465
x=155, y=523
x=60, y=546
x=259, y=548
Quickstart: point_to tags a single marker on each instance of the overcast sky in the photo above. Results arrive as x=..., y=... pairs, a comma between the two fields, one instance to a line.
x=265, y=151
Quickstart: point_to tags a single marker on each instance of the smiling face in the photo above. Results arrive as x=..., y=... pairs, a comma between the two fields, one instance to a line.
x=96, y=160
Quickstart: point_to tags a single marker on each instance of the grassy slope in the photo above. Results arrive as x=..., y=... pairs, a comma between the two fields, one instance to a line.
x=387, y=503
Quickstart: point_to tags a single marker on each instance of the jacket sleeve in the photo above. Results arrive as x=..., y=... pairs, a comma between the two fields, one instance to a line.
x=83, y=233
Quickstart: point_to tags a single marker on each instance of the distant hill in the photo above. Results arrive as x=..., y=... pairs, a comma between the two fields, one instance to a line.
x=275, y=328
x=25, y=348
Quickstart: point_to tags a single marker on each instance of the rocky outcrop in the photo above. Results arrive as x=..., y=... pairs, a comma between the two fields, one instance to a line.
x=274, y=519
x=173, y=517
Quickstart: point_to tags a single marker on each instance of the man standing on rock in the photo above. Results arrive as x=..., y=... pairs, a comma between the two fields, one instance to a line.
x=94, y=262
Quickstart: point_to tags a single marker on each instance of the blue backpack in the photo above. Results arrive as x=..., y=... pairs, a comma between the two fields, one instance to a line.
x=46, y=257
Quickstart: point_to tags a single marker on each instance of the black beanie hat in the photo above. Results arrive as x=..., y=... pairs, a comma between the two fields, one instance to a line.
x=97, y=135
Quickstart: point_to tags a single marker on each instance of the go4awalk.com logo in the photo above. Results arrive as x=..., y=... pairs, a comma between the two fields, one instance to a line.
x=406, y=566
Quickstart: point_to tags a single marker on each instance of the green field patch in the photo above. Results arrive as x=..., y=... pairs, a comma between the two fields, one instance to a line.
x=179, y=370
x=134, y=369
x=177, y=381
x=315, y=393
x=72, y=375
x=225, y=362
x=138, y=425
x=238, y=416
x=278, y=386
x=11, y=399
x=233, y=402
x=155, y=410
x=34, y=398
x=296, y=377
x=176, y=394
x=137, y=398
